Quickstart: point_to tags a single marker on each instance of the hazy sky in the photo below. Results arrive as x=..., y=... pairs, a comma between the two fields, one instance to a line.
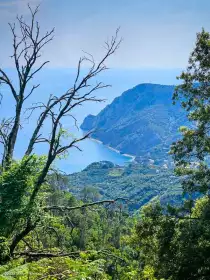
x=156, y=33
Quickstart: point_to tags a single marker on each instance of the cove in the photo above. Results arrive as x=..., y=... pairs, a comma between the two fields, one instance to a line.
x=92, y=151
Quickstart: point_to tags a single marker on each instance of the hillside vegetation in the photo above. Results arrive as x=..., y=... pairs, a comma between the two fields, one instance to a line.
x=142, y=122
x=139, y=184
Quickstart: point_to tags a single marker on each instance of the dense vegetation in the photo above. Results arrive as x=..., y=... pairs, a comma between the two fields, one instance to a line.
x=175, y=244
x=139, y=184
x=47, y=233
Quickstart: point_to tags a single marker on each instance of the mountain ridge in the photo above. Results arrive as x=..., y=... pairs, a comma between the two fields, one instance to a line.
x=141, y=122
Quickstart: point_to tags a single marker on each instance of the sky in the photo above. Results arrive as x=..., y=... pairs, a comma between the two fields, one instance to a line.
x=157, y=34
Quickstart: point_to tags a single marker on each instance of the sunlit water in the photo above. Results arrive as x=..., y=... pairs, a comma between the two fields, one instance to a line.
x=92, y=151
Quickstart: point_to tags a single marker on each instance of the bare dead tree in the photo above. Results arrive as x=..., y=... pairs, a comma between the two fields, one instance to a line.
x=27, y=46
x=59, y=108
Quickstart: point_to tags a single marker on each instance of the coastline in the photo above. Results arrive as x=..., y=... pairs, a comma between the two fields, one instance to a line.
x=132, y=157
x=96, y=140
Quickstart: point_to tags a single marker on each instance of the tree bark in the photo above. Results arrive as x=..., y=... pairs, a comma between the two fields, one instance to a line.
x=18, y=237
x=13, y=136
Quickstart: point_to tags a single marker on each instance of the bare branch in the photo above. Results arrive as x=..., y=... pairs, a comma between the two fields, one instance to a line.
x=31, y=91
x=67, y=208
x=4, y=78
x=72, y=98
x=27, y=46
x=36, y=255
x=37, y=70
x=67, y=102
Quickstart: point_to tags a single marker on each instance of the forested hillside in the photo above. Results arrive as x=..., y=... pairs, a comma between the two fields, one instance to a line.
x=142, y=122
x=139, y=184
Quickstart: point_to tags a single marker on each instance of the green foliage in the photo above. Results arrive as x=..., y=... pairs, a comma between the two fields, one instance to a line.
x=98, y=232
x=136, y=182
x=56, y=268
x=175, y=248
x=4, y=250
x=191, y=153
x=16, y=185
x=175, y=243
x=56, y=238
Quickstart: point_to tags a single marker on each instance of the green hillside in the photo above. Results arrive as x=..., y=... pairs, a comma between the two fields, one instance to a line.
x=142, y=122
x=140, y=184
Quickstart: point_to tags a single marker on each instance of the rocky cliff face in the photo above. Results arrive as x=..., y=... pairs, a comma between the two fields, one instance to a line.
x=142, y=121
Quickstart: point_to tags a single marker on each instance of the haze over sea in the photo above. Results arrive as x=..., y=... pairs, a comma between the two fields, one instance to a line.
x=56, y=82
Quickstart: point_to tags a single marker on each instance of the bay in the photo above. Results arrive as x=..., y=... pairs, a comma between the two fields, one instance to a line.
x=57, y=81
x=92, y=151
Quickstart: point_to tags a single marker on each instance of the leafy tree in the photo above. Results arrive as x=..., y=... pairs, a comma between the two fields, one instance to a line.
x=174, y=248
x=174, y=243
x=191, y=153
x=56, y=268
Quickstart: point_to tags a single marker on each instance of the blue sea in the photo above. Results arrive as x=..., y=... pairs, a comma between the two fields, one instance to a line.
x=57, y=81
x=92, y=151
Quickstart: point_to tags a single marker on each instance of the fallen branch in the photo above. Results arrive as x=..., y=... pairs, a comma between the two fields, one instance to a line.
x=67, y=208
x=47, y=254
x=36, y=255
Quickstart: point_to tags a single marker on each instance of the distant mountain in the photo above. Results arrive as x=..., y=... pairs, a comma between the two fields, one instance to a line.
x=142, y=122
x=140, y=184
